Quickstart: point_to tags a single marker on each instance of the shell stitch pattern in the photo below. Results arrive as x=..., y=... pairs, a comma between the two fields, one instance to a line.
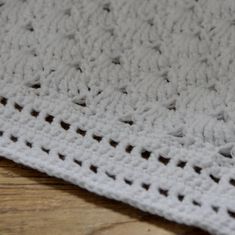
x=133, y=100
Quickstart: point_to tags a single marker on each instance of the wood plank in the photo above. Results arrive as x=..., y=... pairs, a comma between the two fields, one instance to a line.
x=34, y=203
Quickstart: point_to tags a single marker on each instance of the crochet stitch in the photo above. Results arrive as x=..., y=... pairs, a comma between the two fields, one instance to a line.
x=131, y=99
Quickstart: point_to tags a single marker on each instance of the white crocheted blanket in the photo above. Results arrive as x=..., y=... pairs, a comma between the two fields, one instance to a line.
x=130, y=99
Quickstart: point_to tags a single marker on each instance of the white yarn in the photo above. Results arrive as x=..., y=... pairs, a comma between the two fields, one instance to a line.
x=130, y=99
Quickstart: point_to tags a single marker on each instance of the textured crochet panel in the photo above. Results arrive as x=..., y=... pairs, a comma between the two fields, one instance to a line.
x=130, y=99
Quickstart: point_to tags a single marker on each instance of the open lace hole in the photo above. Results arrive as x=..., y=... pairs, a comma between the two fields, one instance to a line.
x=163, y=160
x=13, y=138
x=215, y=179
x=215, y=208
x=65, y=125
x=3, y=100
x=129, y=148
x=197, y=169
x=113, y=143
x=181, y=164
x=129, y=122
x=36, y=85
x=61, y=156
x=196, y=203
x=29, y=144
x=18, y=107
x=112, y=176
x=77, y=162
x=145, y=186
x=99, y=92
x=97, y=137
x=49, y=118
x=226, y=152
x=232, y=182
x=145, y=154
x=34, y=113
x=180, y=197
x=1, y=133
x=226, y=155
x=93, y=168
x=127, y=181
x=81, y=132
x=163, y=192
x=231, y=214
x=45, y=150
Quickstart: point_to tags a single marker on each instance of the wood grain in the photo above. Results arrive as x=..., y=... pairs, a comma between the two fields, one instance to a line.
x=34, y=203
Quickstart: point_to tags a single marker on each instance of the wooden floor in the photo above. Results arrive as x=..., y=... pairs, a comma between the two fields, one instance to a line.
x=33, y=203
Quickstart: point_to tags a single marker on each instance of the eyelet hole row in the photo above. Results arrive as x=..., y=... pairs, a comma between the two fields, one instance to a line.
x=145, y=154
x=146, y=186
